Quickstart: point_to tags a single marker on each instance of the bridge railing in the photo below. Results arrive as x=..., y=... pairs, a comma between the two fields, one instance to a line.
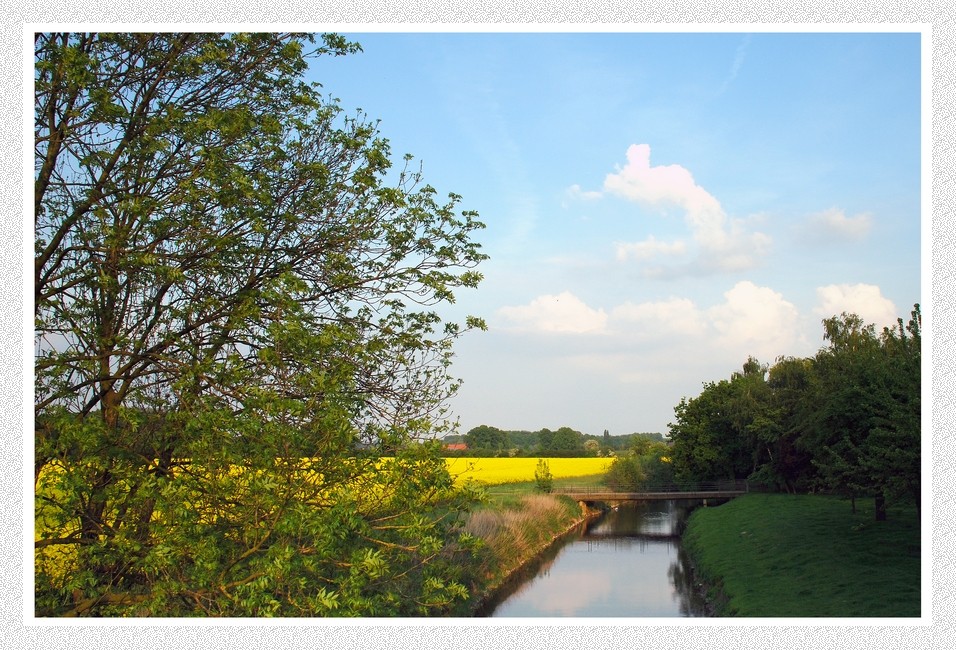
x=658, y=488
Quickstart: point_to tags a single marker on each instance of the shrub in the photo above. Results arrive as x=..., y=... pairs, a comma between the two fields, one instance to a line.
x=544, y=482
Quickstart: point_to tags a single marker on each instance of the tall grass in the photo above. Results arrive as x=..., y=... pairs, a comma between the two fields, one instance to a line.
x=513, y=534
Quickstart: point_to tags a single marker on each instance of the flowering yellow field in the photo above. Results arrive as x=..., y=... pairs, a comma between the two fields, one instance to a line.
x=494, y=471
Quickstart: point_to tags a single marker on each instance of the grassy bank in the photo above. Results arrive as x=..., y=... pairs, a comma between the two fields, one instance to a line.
x=515, y=527
x=774, y=555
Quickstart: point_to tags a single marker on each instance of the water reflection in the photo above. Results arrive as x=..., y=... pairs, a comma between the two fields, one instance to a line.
x=627, y=564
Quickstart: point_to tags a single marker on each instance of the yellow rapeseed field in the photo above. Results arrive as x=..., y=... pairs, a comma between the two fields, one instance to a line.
x=495, y=471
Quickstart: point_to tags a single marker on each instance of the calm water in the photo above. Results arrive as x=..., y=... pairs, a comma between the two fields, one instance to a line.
x=628, y=563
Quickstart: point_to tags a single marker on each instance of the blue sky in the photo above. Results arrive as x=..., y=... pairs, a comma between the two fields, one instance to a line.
x=659, y=206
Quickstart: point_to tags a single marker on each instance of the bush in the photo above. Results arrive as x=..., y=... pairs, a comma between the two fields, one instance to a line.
x=542, y=476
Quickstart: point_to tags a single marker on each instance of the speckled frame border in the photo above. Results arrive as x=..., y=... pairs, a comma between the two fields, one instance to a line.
x=938, y=263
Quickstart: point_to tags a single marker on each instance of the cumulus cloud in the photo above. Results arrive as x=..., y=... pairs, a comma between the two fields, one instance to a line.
x=661, y=185
x=647, y=249
x=667, y=318
x=724, y=244
x=834, y=224
x=749, y=320
x=563, y=313
x=864, y=300
x=755, y=320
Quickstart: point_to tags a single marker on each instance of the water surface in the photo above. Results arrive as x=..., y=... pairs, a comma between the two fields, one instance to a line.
x=627, y=564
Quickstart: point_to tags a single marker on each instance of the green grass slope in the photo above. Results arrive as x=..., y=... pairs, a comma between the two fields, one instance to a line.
x=776, y=555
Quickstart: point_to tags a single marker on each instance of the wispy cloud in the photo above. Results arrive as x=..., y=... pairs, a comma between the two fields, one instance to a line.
x=648, y=249
x=834, y=225
x=739, y=56
x=575, y=192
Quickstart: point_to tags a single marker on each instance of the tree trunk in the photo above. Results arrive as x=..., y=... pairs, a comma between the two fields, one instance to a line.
x=880, y=503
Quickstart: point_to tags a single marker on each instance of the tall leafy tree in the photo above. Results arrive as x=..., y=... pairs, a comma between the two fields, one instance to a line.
x=713, y=433
x=894, y=450
x=864, y=427
x=783, y=463
x=233, y=293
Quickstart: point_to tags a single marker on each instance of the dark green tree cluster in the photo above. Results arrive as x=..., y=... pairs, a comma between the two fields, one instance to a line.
x=564, y=441
x=846, y=420
x=234, y=294
x=485, y=440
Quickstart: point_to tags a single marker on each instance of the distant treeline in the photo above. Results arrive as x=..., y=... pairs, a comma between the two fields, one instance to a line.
x=485, y=440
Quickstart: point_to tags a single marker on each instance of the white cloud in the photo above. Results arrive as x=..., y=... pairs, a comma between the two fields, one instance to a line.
x=648, y=249
x=724, y=244
x=664, y=184
x=664, y=319
x=755, y=321
x=864, y=300
x=563, y=313
x=750, y=320
x=575, y=192
x=734, y=248
x=833, y=223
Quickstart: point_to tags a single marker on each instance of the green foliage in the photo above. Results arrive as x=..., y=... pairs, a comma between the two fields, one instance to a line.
x=488, y=439
x=543, y=480
x=865, y=430
x=846, y=420
x=709, y=438
x=564, y=440
x=529, y=443
x=647, y=466
x=626, y=473
x=234, y=322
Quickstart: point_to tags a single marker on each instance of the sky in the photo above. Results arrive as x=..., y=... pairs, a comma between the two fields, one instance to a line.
x=659, y=206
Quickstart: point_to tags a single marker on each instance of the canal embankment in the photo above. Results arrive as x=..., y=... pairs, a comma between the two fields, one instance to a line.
x=515, y=533
x=780, y=555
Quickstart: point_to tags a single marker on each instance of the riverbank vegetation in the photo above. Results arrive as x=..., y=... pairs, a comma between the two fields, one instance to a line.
x=780, y=555
x=846, y=421
x=514, y=532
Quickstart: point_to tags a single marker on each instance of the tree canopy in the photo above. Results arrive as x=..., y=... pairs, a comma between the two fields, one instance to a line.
x=235, y=294
x=846, y=420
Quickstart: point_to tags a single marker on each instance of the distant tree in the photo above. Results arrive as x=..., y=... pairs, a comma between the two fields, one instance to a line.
x=487, y=438
x=567, y=439
x=545, y=440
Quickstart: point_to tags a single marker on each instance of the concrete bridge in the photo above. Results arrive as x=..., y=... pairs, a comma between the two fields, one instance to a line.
x=703, y=491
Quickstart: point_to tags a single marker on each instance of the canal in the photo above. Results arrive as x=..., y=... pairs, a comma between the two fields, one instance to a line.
x=627, y=563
